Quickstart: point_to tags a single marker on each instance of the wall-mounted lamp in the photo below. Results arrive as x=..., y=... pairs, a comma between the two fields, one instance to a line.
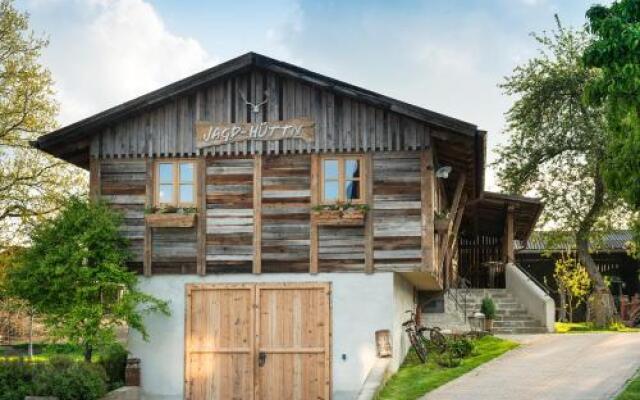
x=443, y=172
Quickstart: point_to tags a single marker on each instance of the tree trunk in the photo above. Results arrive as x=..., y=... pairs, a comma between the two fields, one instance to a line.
x=603, y=309
x=570, y=302
x=562, y=315
x=88, y=352
x=31, y=334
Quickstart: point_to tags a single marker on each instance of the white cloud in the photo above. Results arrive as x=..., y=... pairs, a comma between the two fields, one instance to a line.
x=116, y=50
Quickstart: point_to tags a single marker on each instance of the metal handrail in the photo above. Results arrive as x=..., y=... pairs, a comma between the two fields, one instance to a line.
x=529, y=275
x=459, y=295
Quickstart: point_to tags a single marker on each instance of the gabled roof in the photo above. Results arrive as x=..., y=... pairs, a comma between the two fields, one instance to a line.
x=247, y=61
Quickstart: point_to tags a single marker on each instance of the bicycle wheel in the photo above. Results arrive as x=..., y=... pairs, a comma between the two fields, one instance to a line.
x=418, y=346
x=438, y=339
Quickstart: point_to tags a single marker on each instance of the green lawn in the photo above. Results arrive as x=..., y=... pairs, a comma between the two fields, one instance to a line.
x=43, y=351
x=632, y=391
x=414, y=379
x=577, y=327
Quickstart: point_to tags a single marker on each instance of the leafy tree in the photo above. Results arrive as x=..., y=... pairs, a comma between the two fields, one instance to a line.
x=32, y=184
x=13, y=310
x=74, y=274
x=556, y=147
x=615, y=52
x=573, y=283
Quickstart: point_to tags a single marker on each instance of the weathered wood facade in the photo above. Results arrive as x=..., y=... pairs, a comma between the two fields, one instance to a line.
x=255, y=197
x=293, y=202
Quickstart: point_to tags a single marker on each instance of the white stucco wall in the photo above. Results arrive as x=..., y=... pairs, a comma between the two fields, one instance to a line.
x=361, y=304
x=539, y=304
x=403, y=300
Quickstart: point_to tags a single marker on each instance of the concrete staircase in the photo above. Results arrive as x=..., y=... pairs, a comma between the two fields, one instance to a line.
x=511, y=316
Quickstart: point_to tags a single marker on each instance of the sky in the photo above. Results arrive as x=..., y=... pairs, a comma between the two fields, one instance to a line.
x=445, y=55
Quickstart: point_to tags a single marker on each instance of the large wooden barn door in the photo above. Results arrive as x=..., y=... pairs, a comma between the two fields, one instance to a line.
x=293, y=344
x=219, y=347
x=262, y=342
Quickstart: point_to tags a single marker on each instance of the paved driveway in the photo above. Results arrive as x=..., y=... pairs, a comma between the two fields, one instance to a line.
x=552, y=367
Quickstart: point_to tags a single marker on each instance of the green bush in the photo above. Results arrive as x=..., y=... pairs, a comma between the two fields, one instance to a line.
x=60, y=377
x=460, y=347
x=447, y=359
x=488, y=308
x=16, y=379
x=113, y=359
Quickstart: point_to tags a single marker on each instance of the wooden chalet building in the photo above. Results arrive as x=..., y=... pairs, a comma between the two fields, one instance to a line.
x=233, y=184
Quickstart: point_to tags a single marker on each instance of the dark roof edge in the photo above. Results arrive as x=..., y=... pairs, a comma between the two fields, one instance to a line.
x=246, y=61
x=487, y=195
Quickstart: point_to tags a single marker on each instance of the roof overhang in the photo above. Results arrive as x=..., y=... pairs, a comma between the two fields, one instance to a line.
x=489, y=210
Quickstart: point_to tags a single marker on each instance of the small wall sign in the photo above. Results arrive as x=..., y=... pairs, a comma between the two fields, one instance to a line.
x=210, y=134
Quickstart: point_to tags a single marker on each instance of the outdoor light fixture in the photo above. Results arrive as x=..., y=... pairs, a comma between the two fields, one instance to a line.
x=443, y=172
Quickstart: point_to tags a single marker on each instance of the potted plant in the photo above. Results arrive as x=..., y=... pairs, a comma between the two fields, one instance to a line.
x=340, y=214
x=441, y=221
x=488, y=308
x=170, y=217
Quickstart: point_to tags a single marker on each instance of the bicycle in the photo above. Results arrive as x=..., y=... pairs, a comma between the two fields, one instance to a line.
x=417, y=342
x=418, y=339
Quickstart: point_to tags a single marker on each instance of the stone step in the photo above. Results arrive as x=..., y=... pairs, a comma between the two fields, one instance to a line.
x=502, y=311
x=511, y=316
x=527, y=330
x=507, y=306
x=516, y=324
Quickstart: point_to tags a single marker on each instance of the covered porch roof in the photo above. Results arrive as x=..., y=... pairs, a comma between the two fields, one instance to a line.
x=488, y=214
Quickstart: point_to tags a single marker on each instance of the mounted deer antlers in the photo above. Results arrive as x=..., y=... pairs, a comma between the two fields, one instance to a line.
x=255, y=108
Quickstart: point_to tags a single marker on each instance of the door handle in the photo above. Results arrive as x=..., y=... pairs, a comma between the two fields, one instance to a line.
x=262, y=359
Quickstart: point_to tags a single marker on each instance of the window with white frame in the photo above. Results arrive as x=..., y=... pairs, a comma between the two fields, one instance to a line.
x=341, y=179
x=175, y=183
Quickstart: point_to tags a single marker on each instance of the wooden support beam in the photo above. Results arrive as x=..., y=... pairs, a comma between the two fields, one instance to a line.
x=148, y=233
x=454, y=240
x=257, y=214
x=315, y=200
x=94, y=178
x=453, y=212
x=201, y=193
x=427, y=192
x=368, y=227
x=508, y=237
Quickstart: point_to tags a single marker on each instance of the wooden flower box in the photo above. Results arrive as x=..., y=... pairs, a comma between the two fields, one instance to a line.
x=339, y=218
x=170, y=220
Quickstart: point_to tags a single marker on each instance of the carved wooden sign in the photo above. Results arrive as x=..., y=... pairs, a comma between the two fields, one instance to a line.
x=210, y=134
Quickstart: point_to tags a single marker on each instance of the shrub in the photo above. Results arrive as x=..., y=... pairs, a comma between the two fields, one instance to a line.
x=488, y=308
x=15, y=379
x=113, y=359
x=69, y=380
x=460, y=347
x=447, y=359
x=60, y=377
